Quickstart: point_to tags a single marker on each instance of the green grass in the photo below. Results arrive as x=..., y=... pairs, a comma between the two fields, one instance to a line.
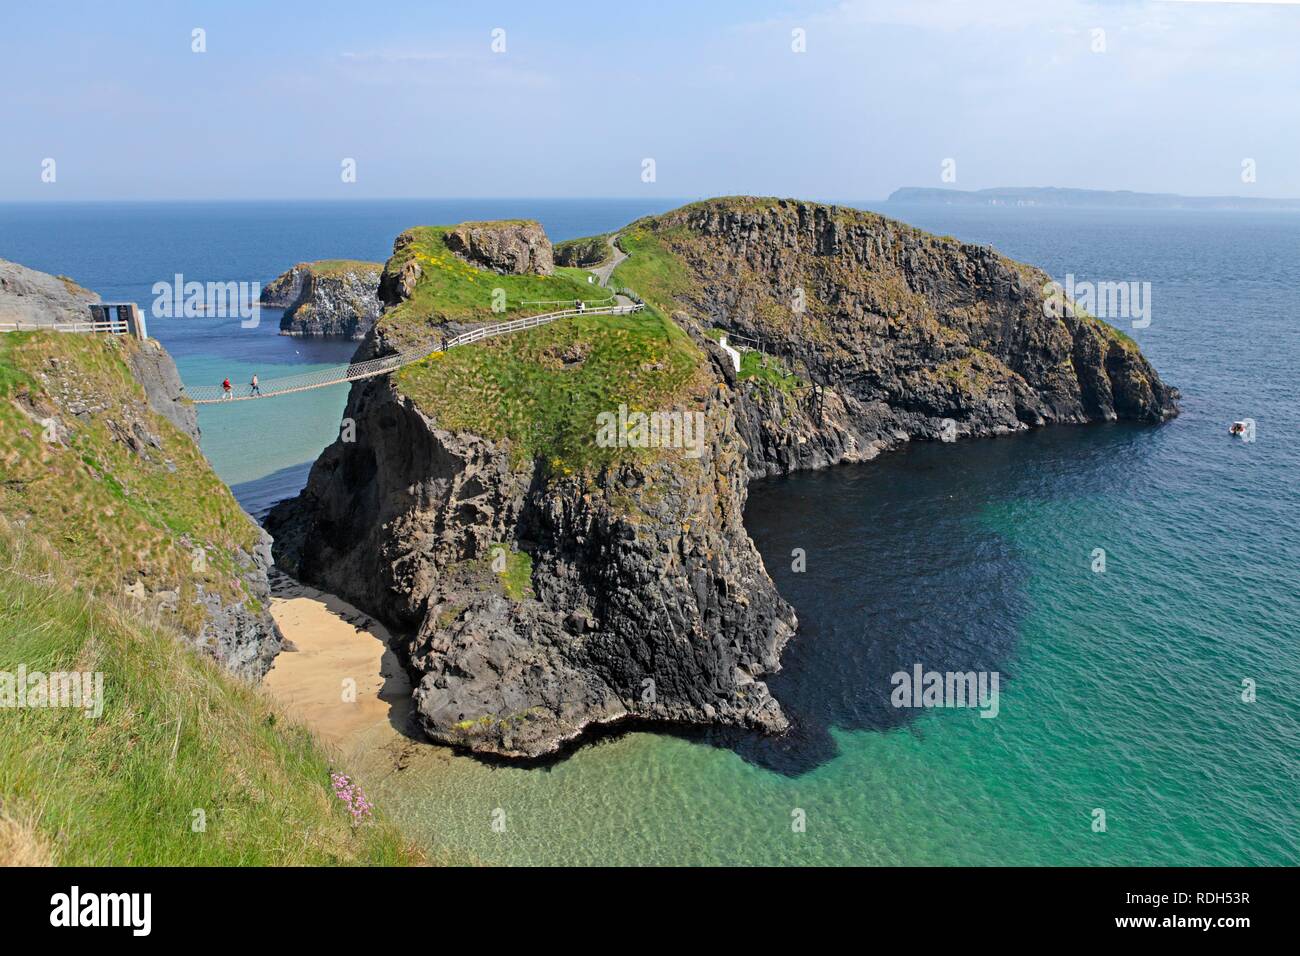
x=340, y=266
x=656, y=274
x=543, y=389
x=595, y=294
x=451, y=289
x=12, y=378
x=176, y=736
x=517, y=578
x=114, y=516
x=768, y=370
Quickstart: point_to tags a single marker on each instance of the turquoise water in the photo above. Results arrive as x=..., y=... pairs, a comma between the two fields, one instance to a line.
x=1120, y=691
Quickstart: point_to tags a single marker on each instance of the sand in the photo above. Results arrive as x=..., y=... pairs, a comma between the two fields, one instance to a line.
x=342, y=679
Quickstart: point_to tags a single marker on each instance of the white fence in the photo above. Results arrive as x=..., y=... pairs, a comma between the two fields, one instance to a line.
x=112, y=326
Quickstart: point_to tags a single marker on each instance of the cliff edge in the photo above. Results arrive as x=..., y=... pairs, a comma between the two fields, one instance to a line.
x=554, y=517
x=99, y=459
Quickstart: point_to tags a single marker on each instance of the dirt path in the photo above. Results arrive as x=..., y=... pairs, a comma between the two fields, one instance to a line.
x=603, y=272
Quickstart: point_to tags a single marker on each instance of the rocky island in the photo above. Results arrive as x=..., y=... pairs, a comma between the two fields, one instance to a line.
x=335, y=298
x=549, y=581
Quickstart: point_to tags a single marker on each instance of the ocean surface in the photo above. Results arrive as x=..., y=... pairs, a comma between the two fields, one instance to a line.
x=1120, y=691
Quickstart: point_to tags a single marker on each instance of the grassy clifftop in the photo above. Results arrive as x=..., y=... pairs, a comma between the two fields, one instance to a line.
x=112, y=524
x=184, y=766
x=331, y=267
x=541, y=389
x=447, y=288
x=121, y=493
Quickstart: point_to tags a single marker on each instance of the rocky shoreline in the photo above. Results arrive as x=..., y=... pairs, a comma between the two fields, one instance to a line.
x=538, y=604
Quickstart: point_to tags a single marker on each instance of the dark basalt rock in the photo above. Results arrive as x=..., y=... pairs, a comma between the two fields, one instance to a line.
x=902, y=330
x=646, y=597
x=333, y=303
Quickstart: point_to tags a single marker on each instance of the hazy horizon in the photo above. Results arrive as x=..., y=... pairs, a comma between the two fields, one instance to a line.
x=802, y=98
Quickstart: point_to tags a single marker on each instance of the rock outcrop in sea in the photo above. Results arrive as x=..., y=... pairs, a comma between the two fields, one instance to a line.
x=892, y=334
x=334, y=298
x=544, y=592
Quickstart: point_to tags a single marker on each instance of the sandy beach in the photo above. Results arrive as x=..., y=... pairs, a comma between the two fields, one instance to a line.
x=341, y=678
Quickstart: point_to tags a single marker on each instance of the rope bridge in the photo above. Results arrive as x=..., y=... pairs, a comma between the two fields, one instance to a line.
x=335, y=375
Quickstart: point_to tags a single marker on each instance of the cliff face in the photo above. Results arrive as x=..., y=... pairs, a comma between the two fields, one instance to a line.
x=99, y=456
x=583, y=253
x=543, y=589
x=541, y=604
x=909, y=335
x=542, y=598
x=336, y=298
x=517, y=248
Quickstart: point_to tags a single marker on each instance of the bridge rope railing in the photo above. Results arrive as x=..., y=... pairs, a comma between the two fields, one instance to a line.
x=338, y=374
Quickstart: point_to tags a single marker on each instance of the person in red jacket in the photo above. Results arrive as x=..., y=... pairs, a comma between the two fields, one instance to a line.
x=226, y=390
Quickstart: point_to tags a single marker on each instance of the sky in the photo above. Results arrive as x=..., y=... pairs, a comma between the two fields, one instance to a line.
x=1171, y=96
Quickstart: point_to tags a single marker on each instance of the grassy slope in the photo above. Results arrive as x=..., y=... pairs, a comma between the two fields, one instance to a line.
x=520, y=386
x=79, y=518
x=176, y=735
x=450, y=289
x=542, y=389
x=114, y=516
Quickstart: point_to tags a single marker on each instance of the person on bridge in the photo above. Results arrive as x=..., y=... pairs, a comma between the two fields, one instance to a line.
x=253, y=383
x=226, y=390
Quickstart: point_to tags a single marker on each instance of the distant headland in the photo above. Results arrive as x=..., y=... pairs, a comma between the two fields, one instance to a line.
x=1094, y=198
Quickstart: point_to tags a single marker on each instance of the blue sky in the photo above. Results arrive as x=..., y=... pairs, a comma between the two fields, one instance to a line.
x=1012, y=90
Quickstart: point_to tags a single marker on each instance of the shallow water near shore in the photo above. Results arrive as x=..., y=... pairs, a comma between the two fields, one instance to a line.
x=1119, y=691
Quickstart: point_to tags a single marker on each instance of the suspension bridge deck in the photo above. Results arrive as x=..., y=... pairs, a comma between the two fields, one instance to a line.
x=338, y=374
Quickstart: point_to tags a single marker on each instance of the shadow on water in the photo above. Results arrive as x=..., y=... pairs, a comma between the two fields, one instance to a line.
x=902, y=569
x=260, y=495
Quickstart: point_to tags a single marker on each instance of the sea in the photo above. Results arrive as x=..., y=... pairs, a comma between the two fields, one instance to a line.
x=1134, y=589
